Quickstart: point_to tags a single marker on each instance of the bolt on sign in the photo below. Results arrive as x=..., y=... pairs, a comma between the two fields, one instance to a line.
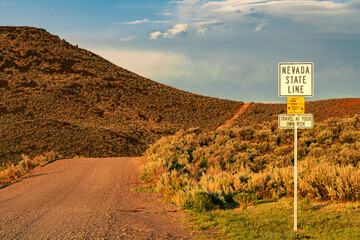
x=296, y=79
x=295, y=105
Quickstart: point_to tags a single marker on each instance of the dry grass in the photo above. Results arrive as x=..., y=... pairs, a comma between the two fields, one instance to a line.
x=13, y=172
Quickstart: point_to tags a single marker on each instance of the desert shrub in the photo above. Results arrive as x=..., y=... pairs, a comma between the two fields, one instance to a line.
x=349, y=136
x=246, y=199
x=259, y=163
x=197, y=201
x=245, y=133
x=152, y=171
x=263, y=135
x=283, y=151
x=326, y=181
x=245, y=160
x=241, y=160
x=282, y=161
x=50, y=155
x=26, y=164
x=343, y=154
x=221, y=140
x=171, y=183
x=14, y=172
x=222, y=183
x=346, y=185
x=9, y=175
x=349, y=156
x=302, y=148
x=264, y=147
x=242, y=145
x=317, y=152
x=347, y=124
x=325, y=136
x=314, y=179
x=258, y=183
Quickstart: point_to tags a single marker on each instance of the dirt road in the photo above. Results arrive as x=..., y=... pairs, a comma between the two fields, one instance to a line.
x=86, y=199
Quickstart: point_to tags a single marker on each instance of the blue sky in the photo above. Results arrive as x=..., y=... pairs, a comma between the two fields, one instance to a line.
x=227, y=49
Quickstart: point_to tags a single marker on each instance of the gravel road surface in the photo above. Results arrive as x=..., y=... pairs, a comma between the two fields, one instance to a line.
x=87, y=198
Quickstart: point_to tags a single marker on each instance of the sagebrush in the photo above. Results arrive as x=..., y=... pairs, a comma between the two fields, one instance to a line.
x=257, y=160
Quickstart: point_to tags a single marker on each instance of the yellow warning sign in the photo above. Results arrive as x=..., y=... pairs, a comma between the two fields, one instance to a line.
x=295, y=105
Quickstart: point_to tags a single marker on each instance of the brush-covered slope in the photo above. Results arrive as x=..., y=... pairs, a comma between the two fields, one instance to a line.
x=322, y=110
x=56, y=96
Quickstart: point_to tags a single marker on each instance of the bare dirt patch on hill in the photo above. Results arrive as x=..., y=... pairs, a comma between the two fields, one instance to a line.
x=87, y=198
x=240, y=111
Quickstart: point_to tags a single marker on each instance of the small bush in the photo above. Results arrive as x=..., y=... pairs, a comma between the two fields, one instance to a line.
x=349, y=136
x=246, y=199
x=197, y=201
x=50, y=155
x=14, y=172
x=316, y=152
x=325, y=136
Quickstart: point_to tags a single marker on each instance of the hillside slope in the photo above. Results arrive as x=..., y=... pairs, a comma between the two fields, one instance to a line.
x=56, y=96
x=321, y=109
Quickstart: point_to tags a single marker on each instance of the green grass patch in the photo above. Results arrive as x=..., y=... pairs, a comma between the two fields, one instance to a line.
x=145, y=189
x=154, y=212
x=274, y=220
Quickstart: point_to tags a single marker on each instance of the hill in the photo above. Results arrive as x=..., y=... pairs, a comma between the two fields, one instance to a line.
x=56, y=96
x=322, y=110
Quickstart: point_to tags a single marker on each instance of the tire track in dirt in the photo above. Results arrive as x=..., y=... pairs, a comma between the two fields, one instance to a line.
x=87, y=198
x=230, y=121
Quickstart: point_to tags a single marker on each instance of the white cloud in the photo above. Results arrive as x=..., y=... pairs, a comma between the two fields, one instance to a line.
x=129, y=38
x=199, y=16
x=324, y=16
x=178, y=28
x=260, y=27
x=233, y=46
x=155, y=35
x=146, y=20
x=153, y=65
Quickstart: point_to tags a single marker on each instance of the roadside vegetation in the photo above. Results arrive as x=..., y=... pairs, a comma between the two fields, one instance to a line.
x=243, y=173
x=274, y=220
x=13, y=172
x=203, y=170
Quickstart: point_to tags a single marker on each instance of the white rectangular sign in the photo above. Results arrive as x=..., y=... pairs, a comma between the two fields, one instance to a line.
x=288, y=121
x=296, y=79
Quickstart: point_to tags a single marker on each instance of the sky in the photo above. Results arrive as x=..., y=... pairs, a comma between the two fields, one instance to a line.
x=227, y=49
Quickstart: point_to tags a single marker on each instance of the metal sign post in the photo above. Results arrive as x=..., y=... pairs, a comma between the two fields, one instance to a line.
x=295, y=178
x=296, y=81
